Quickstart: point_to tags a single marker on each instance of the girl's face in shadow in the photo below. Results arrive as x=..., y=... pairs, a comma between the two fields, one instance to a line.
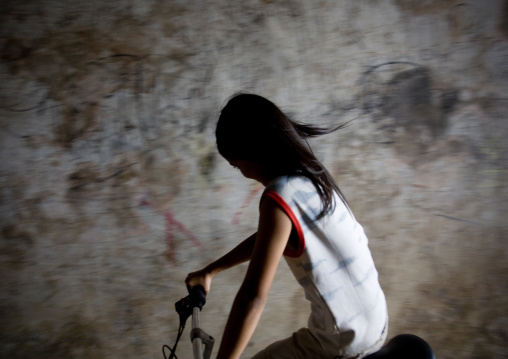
x=251, y=170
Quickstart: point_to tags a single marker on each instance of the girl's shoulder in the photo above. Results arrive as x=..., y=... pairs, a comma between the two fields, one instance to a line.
x=289, y=184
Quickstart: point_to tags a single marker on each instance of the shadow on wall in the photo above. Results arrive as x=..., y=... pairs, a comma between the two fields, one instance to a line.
x=402, y=102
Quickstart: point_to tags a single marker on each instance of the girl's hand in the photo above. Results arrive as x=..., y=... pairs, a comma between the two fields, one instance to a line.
x=202, y=277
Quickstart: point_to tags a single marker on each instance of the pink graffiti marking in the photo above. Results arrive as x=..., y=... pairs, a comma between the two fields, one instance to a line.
x=172, y=223
x=248, y=200
x=171, y=227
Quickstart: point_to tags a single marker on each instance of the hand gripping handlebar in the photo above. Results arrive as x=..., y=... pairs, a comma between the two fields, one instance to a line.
x=191, y=305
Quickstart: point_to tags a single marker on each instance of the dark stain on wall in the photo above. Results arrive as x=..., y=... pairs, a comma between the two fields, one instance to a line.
x=449, y=100
x=15, y=53
x=77, y=121
x=16, y=242
x=400, y=98
x=120, y=203
x=410, y=99
x=87, y=183
x=503, y=19
x=491, y=147
x=82, y=178
x=207, y=165
x=80, y=67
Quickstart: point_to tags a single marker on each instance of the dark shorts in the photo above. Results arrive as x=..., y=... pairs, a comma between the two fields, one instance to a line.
x=303, y=345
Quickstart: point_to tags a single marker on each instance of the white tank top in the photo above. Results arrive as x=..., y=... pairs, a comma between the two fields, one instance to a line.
x=333, y=264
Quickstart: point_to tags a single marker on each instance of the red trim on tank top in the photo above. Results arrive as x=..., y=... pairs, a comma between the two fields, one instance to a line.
x=287, y=209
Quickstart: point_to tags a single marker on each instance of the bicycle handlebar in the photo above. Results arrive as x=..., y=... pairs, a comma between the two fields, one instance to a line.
x=192, y=305
x=195, y=299
x=199, y=338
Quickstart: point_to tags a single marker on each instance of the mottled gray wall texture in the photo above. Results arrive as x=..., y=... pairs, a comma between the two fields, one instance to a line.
x=112, y=189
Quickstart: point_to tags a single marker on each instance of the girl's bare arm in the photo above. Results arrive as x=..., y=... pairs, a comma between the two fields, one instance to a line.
x=237, y=255
x=272, y=236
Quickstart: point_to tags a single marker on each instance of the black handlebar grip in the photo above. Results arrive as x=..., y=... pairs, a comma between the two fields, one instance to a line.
x=197, y=296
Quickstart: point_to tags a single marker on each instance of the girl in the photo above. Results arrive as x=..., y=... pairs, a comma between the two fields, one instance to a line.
x=305, y=218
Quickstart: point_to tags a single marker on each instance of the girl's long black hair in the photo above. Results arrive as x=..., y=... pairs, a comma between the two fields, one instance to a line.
x=253, y=128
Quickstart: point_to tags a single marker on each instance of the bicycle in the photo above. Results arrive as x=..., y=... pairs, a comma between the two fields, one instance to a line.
x=402, y=346
x=185, y=307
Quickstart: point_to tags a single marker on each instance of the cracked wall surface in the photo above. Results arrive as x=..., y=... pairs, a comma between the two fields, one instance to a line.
x=111, y=188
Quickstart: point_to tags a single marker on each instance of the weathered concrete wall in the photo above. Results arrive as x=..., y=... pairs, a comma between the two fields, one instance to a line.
x=112, y=190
